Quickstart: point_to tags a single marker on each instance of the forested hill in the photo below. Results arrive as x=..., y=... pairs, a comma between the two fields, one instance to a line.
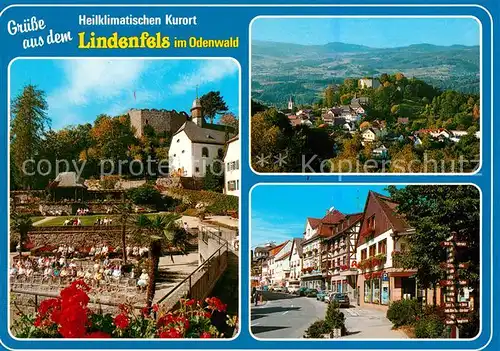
x=282, y=69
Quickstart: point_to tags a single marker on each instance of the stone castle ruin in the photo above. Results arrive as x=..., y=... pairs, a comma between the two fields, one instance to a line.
x=162, y=121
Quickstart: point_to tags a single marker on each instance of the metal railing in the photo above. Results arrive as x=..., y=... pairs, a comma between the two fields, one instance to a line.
x=201, y=281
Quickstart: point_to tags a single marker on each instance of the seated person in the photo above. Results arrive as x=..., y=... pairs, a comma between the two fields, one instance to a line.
x=88, y=275
x=13, y=270
x=117, y=272
x=143, y=280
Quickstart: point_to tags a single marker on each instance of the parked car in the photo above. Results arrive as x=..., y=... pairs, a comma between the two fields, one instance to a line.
x=341, y=298
x=293, y=289
x=311, y=293
x=302, y=291
x=279, y=289
x=320, y=296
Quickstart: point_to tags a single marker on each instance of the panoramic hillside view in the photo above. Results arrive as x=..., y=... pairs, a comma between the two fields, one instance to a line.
x=124, y=199
x=357, y=95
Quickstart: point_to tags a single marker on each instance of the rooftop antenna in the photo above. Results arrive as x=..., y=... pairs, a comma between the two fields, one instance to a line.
x=196, y=91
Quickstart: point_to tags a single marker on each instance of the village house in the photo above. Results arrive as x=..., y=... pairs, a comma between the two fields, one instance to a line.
x=371, y=135
x=382, y=236
x=269, y=271
x=196, y=145
x=380, y=151
x=440, y=134
x=295, y=262
x=338, y=252
x=316, y=231
x=232, y=172
x=281, y=269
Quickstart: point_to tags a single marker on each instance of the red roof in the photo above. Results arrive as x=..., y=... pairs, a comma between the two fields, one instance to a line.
x=332, y=217
x=314, y=222
x=275, y=250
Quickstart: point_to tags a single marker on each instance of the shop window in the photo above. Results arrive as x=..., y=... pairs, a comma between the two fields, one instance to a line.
x=368, y=291
x=376, y=290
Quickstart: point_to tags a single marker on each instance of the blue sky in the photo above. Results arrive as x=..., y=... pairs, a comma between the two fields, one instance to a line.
x=373, y=32
x=79, y=90
x=279, y=212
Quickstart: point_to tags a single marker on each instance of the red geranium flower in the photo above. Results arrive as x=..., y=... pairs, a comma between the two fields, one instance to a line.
x=205, y=335
x=155, y=307
x=121, y=321
x=190, y=302
x=171, y=333
x=145, y=311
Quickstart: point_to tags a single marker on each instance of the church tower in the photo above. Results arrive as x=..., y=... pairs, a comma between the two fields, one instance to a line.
x=196, y=115
x=290, y=103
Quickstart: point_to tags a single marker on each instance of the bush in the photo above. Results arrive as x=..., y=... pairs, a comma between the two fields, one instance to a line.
x=403, y=312
x=335, y=319
x=429, y=327
x=219, y=204
x=316, y=330
x=146, y=194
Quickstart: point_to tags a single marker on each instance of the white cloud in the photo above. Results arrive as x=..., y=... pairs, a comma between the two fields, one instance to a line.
x=209, y=71
x=90, y=80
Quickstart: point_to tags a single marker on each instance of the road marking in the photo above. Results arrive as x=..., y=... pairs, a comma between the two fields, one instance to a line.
x=285, y=312
x=253, y=325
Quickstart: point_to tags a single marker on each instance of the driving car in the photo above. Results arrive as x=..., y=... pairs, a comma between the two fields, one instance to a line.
x=341, y=298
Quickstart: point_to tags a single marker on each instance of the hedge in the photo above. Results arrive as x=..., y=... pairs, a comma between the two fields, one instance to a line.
x=217, y=203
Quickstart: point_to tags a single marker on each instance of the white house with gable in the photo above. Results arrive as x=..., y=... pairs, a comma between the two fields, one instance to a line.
x=195, y=145
x=232, y=167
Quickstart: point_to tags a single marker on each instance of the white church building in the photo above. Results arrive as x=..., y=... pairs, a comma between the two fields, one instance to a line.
x=195, y=146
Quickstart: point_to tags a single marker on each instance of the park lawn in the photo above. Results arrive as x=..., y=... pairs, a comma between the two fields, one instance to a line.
x=86, y=220
x=36, y=218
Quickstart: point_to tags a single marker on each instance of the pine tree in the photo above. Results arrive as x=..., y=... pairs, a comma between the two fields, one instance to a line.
x=29, y=120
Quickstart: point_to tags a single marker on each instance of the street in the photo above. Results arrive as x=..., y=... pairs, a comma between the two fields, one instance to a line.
x=288, y=316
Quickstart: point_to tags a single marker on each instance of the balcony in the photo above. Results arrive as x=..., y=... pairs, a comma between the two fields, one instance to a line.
x=368, y=231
